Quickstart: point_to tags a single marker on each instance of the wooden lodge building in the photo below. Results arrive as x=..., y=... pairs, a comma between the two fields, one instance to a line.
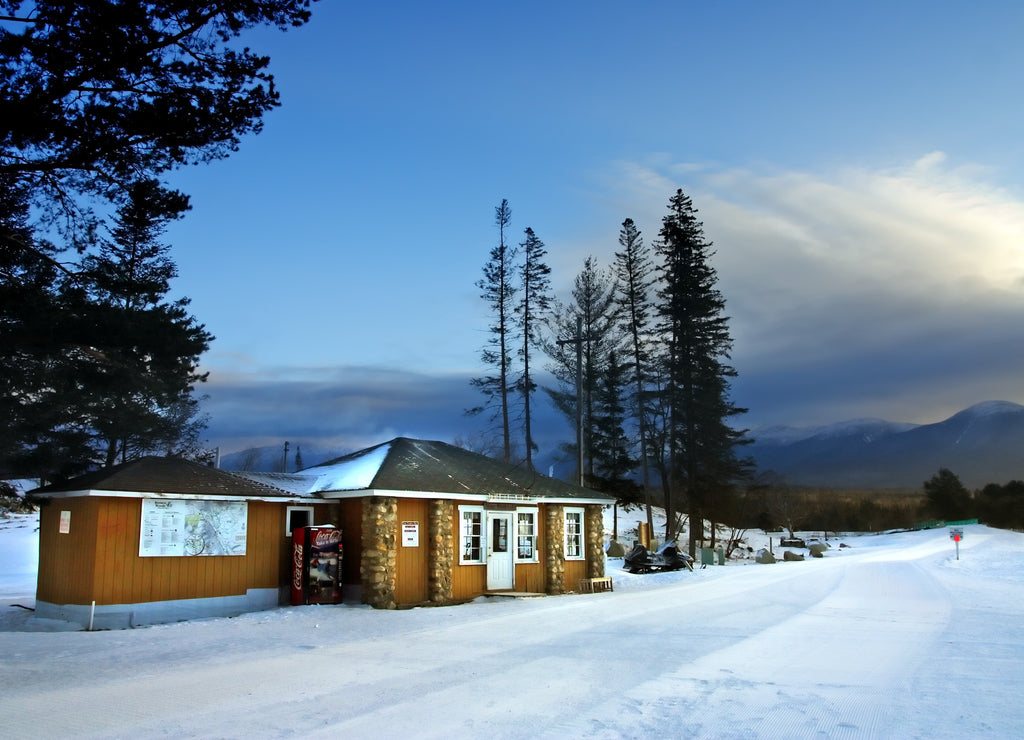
x=163, y=539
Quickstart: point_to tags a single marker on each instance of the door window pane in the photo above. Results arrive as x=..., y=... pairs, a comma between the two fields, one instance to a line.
x=500, y=534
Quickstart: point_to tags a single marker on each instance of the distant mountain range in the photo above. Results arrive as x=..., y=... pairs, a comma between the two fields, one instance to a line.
x=981, y=444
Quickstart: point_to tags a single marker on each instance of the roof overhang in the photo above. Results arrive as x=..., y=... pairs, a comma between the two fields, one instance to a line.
x=99, y=493
x=476, y=497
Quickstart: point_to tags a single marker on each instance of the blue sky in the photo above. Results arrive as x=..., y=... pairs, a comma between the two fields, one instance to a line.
x=857, y=166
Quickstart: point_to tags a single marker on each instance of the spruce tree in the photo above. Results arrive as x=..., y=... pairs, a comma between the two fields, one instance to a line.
x=142, y=391
x=498, y=290
x=94, y=98
x=531, y=312
x=610, y=446
x=701, y=446
x=634, y=271
x=41, y=354
x=593, y=306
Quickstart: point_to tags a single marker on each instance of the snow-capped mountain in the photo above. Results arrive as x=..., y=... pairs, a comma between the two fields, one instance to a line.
x=981, y=444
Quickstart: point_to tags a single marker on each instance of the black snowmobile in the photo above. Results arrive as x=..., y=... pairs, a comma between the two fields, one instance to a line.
x=668, y=557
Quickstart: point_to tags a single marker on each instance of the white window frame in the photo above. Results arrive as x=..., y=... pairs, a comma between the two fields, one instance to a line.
x=288, y=517
x=462, y=535
x=533, y=512
x=582, y=542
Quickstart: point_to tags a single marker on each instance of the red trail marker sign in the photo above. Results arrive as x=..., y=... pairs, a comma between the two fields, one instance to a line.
x=956, y=534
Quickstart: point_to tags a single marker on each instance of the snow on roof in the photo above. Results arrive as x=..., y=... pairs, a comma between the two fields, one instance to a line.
x=296, y=484
x=351, y=473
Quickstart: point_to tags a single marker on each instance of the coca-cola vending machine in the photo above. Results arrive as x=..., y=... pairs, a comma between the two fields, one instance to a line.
x=316, y=565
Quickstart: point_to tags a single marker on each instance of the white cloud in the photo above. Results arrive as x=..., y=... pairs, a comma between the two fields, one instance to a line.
x=858, y=266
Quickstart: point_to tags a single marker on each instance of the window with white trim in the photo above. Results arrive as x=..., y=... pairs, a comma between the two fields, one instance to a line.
x=471, y=534
x=297, y=517
x=526, y=535
x=574, y=534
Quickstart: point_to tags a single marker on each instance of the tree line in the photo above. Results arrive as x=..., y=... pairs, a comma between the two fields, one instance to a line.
x=640, y=355
x=98, y=102
x=994, y=504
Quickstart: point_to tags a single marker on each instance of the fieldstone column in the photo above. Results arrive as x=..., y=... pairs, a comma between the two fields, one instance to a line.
x=378, y=567
x=554, y=555
x=594, y=534
x=441, y=554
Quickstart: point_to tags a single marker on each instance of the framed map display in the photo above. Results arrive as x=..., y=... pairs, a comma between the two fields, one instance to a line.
x=187, y=527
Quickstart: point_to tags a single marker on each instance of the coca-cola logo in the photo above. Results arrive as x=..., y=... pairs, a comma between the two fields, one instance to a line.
x=326, y=538
x=297, y=567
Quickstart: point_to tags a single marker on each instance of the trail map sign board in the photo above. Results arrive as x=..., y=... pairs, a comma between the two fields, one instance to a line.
x=176, y=528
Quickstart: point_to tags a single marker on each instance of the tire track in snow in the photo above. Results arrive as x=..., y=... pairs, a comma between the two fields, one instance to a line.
x=845, y=674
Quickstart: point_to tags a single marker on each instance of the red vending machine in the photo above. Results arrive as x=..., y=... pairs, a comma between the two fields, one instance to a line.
x=316, y=565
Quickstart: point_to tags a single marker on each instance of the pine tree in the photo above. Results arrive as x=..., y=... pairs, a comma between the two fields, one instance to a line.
x=701, y=447
x=141, y=393
x=948, y=498
x=593, y=307
x=95, y=95
x=610, y=445
x=498, y=291
x=41, y=354
x=531, y=312
x=634, y=272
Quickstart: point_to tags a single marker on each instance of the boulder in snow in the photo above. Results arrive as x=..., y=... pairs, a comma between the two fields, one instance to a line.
x=764, y=556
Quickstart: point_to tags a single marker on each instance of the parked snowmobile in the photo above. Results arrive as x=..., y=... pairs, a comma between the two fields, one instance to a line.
x=668, y=557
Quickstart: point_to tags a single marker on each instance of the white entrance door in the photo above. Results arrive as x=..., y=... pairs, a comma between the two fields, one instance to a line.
x=500, y=570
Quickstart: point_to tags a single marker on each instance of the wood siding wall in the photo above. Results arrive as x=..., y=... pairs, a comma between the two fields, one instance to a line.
x=468, y=581
x=531, y=577
x=350, y=520
x=411, y=564
x=67, y=561
x=574, y=571
x=99, y=560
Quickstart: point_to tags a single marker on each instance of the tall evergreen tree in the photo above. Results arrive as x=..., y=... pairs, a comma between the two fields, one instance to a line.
x=531, y=311
x=948, y=498
x=634, y=271
x=498, y=289
x=96, y=96
x=42, y=353
x=611, y=448
x=593, y=307
x=142, y=391
x=701, y=446
x=610, y=445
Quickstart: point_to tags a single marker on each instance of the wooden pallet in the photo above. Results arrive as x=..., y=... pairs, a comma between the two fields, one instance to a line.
x=595, y=585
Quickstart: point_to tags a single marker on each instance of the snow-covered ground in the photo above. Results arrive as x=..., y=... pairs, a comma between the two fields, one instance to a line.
x=889, y=637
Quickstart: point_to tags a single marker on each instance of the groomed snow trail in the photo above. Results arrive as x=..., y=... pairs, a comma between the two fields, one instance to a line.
x=894, y=641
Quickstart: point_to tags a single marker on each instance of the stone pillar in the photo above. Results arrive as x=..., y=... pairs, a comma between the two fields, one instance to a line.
x=554, y=549
x=378, y=567
x=441, y=554
x=593, y=532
